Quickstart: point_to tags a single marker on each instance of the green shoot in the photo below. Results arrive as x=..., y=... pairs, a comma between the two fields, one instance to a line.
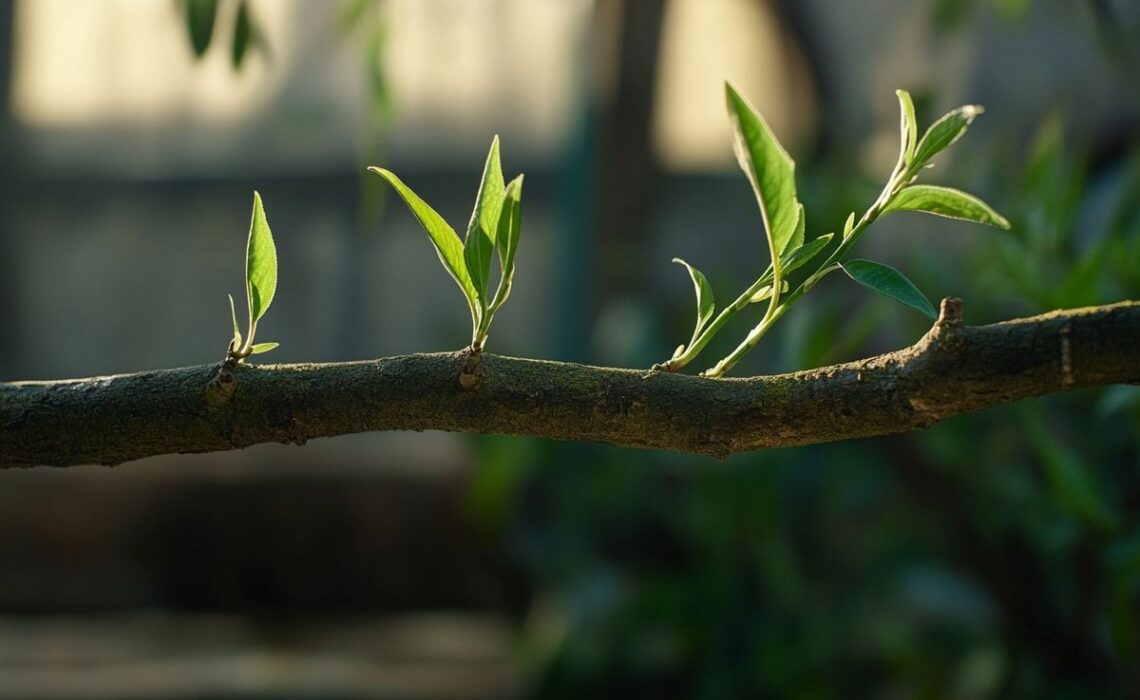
x=494, y=226
x=260, y=283
x=771, y=172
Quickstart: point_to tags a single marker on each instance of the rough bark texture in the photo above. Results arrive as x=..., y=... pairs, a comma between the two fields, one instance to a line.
x=952, y=370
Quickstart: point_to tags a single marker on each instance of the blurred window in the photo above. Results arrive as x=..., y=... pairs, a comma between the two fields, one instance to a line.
x=706, y=42
x=457, y=71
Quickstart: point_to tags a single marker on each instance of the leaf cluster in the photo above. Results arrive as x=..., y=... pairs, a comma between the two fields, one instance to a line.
x=771, y=173
x=494, y=228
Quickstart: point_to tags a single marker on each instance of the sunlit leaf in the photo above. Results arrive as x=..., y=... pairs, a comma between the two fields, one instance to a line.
x=200, y=18
x=908, y=127
x=447, y=243
x=477, y=256
x=706, y=303
x=797, y=238
x=800, y=256
x=769, y=169
x=943, y=133
x=492, y=189
x=849, y=225
x=507, y=238
x=260, y=263
x=948, y=202
x=484, y=224
x=259, y=348
x=888, y=281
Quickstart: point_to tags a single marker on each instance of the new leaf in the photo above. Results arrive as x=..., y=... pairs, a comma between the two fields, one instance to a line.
x=943, y=133
x=443, y=237
x=507, y=239
x=769, y=169
x=706, y=303
x=888, y=281
x=482, y=229
x=948, y=202
x=908, y=127
x=260, y=264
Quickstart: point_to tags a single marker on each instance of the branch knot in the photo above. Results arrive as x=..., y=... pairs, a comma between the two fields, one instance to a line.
x=471, y=376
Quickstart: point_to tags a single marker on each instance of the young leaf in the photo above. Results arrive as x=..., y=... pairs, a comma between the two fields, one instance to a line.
x=948, y=202
x=477, y=258
x=262, y=347
x=797, y=239
x=507, y=239
x=800, y=256
x=484, y=223
x=706, y=303
x=908, y=127
x=447, y=243
x=888, y=281
x=849, y=225
x=765, y=292
x=769, y=169
x=944, y=132
x=237, y=333
x=260, y=264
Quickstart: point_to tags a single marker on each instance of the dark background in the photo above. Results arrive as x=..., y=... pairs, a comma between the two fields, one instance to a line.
x=996, y=555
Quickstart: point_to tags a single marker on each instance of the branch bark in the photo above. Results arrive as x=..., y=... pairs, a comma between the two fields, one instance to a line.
x=953, y=369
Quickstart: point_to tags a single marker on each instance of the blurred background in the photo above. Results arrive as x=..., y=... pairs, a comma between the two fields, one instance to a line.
x=996, y=555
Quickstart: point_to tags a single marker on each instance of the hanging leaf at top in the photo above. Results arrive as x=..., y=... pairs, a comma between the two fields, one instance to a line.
x=201, y=16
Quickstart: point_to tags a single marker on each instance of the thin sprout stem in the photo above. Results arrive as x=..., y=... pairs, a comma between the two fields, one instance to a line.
x=830, y=265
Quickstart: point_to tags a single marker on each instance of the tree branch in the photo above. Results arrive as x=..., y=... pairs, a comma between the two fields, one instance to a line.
x=952, y=370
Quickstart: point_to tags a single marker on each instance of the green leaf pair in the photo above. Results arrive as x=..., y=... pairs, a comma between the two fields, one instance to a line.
x=494, y=226
x=260, y=283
